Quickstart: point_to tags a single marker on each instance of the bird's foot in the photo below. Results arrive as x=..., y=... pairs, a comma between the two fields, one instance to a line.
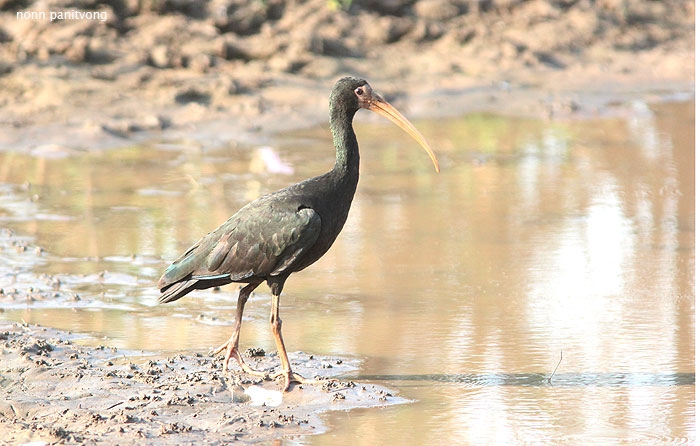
x=292, y=377
x=221, y=348
x=289, y=377
x=232, y=351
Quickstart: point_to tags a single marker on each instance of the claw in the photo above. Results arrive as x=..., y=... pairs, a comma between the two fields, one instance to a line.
x=293, y=377
x=232, y=351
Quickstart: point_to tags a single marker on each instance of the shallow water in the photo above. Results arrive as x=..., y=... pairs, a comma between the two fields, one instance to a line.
x=540, y=289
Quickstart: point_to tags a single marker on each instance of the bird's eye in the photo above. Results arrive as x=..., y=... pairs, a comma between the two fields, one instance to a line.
x=359, y=91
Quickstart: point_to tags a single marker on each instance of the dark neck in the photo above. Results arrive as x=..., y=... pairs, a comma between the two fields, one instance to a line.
x=347, y=153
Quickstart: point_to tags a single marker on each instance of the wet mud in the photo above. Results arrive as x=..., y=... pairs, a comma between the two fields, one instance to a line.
x=56, y=390
x=67, y=388
x=60, y=387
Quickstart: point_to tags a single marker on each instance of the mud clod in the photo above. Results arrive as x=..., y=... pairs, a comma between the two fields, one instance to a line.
x=254, y=352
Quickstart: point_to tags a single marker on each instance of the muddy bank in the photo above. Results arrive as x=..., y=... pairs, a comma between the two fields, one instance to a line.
x=212, y=72
x=56, y=390
x=62, y=387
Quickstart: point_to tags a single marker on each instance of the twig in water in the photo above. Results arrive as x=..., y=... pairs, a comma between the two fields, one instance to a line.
x=561, y=356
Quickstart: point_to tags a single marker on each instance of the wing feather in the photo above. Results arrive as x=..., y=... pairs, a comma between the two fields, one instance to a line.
x=265, y=238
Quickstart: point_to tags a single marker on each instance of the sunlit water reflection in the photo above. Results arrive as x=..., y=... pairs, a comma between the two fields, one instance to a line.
x=538, y=241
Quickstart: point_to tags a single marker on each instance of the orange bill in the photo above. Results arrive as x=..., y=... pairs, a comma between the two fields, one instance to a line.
x=382, y=107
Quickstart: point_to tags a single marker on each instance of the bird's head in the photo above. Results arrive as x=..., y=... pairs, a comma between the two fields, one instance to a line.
x=356, y=93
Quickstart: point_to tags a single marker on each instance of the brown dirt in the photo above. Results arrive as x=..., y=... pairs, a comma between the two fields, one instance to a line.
x=236, y=70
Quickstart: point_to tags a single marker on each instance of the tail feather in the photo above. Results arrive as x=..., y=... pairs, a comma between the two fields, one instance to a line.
x=190, y=272
x=174, y=291
x=177, y=290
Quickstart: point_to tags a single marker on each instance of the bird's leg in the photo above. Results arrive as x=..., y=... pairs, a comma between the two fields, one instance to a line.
x=276, y=324
x=231, y=346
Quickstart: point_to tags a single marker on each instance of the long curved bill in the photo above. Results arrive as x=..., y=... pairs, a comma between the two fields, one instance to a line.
x=382, y=107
